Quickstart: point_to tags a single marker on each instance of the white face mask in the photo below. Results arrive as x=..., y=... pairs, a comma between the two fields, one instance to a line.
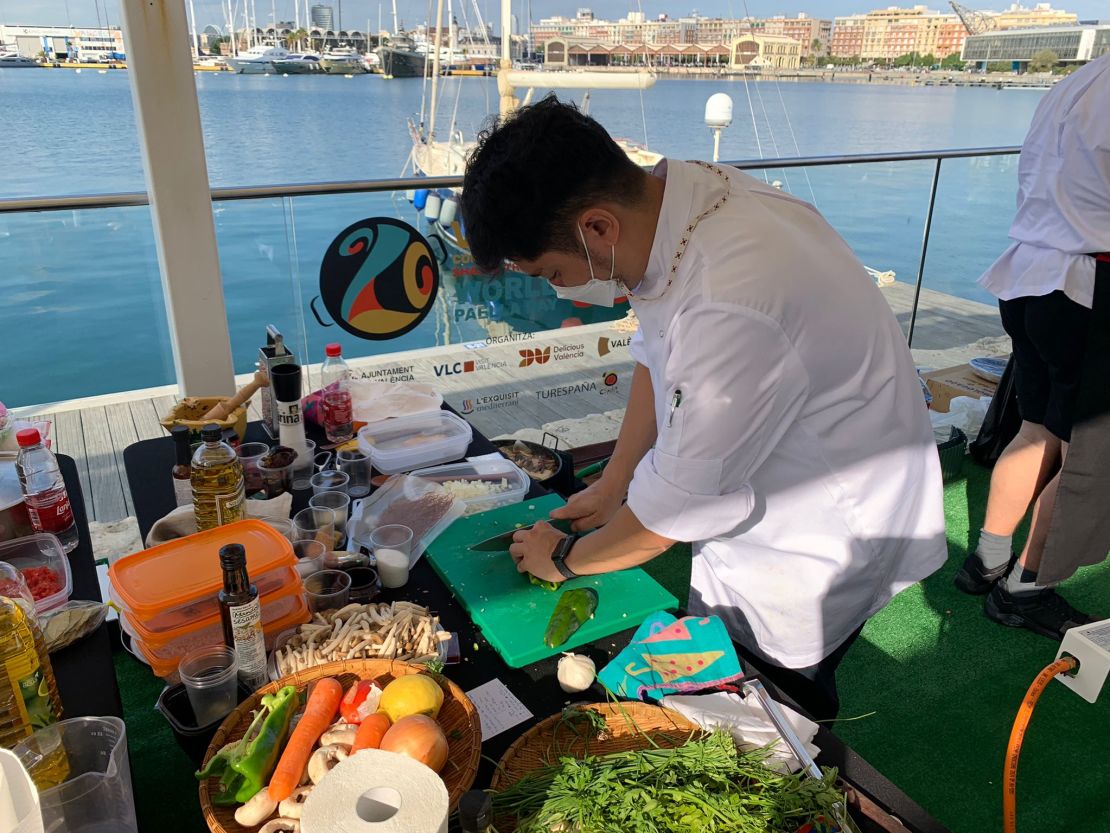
x=597, y=292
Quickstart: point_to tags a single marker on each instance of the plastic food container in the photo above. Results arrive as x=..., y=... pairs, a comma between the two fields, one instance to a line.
x=412, y=442
x=35, y=552
x=481, y=475
x=174, y=584
x=174, y=705
x=166, y=668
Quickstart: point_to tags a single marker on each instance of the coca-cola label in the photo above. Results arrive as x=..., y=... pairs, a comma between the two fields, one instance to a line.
x=50, y=511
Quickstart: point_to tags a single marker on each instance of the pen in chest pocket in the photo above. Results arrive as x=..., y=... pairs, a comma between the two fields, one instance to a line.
x=676, y=401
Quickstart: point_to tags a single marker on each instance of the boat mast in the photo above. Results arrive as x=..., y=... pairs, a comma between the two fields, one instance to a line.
x=435, y=69
x=396, y=31
x=504, y=86
x=193, y=31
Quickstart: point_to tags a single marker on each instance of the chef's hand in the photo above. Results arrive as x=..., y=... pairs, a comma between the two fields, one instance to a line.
x=591, y=508
x=532, y=548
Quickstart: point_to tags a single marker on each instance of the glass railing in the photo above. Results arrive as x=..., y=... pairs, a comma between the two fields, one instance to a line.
x=83, y=311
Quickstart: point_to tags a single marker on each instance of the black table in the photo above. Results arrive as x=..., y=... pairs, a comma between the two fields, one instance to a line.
x=148, y=465
x=84, y=670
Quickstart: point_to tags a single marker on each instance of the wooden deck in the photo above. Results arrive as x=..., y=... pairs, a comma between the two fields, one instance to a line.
x=500, y=394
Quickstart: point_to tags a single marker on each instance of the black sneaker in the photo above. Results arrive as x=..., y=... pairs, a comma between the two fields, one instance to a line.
x=1045, y=612
x=975, y=579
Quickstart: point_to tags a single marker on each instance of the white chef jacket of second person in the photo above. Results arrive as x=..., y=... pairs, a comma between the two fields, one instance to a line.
x=801, y=460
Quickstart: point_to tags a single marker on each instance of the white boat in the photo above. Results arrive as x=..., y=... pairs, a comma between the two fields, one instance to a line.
x=13, y=60
x=298, y=64
x=342, y=62
x=258, y=60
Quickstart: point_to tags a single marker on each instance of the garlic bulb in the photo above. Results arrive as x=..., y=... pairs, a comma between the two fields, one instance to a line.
x=576, y=672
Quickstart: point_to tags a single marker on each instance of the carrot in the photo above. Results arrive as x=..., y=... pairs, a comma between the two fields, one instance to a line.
x=317, y=717
x=370, y=732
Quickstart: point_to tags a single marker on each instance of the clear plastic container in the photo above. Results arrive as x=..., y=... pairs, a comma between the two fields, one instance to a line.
x=38, y=551
x=173, y=584
x=80, y=766
x=211, y=678
x=412, y=442
x=478, y=475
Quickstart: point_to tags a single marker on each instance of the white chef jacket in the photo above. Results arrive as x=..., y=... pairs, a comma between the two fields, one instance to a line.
x=801, y=460
x=1063, y=202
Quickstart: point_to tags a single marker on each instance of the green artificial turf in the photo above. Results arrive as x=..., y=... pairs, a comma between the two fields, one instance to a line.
x=939, y=681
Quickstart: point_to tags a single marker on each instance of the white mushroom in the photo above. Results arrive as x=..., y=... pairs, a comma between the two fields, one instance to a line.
x=257, y=810
x=341, y=733
x=291, y=807
x=281, y=826
x=323, y=759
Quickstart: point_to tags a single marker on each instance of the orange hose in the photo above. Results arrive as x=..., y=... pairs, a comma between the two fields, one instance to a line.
x=1017, y=735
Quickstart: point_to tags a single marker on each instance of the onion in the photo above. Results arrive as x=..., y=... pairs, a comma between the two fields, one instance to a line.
x=419, y=737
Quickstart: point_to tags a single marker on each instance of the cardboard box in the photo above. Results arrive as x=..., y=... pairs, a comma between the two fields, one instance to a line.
x=947, y=384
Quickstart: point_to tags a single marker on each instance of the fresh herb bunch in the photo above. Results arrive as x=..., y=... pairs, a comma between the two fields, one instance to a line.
x=703, y=786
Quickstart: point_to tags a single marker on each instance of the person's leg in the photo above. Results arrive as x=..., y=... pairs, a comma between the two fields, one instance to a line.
x=1020, y=474
x=811, y=689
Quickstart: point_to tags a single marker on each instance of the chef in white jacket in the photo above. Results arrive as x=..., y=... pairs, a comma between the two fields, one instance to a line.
x=774, y=420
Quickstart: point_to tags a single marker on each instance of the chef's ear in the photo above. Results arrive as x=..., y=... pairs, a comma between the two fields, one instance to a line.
x=600, y=226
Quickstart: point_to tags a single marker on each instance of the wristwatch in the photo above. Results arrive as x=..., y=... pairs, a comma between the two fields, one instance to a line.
x=562, y=550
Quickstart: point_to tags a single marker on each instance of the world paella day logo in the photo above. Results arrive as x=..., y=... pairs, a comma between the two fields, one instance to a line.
x=378, y=279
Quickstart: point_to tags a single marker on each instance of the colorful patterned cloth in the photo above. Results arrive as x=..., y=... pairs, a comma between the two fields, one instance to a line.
x=671, y=656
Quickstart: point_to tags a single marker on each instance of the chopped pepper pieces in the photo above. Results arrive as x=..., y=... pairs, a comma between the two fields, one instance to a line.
x=574, y=609
x=546, y=585
x=244, y=766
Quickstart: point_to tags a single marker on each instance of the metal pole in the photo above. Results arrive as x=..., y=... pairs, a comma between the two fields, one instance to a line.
x=924, y=250
x=435, y=69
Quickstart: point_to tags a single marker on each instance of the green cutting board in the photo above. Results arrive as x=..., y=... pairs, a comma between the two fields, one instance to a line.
x=511, y=611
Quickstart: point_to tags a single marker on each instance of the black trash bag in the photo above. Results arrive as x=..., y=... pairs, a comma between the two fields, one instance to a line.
x=1002, y=422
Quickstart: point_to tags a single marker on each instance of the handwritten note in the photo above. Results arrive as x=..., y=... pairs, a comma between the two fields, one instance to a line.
x=498, y=708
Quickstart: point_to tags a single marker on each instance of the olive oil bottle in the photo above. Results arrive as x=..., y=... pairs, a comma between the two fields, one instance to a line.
x=217, y=481
x=29, y=697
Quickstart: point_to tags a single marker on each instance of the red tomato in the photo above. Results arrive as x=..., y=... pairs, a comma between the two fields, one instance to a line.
x=356, y=694
x=42, y=582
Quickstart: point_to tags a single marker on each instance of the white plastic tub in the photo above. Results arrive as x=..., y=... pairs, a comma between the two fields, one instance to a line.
x=504, y=480
x=413, y=442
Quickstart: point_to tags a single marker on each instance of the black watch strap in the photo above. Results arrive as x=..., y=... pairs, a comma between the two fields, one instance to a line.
x=562, y=550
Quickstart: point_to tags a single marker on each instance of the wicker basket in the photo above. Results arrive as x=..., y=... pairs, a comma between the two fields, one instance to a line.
x=188, y=412
x=458, y=718
x=629, y=726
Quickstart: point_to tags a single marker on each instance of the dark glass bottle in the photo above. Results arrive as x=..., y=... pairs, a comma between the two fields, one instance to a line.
x=241, y=615
x=182, y=473
x=476, y=812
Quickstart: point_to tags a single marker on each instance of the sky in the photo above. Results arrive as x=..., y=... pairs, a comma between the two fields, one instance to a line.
x=356, y=13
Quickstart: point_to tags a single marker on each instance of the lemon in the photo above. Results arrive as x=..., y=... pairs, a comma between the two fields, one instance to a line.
x=411, y=694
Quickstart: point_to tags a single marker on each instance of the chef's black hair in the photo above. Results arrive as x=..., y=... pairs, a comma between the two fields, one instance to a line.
x=532, y=173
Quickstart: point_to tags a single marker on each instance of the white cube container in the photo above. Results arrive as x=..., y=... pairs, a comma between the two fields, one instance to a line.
x=412, y=442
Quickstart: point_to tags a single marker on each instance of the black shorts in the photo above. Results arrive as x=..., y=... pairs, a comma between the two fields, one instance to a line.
x=1049, y=333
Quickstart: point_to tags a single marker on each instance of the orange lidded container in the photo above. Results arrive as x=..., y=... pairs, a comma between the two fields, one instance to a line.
x=174, y=585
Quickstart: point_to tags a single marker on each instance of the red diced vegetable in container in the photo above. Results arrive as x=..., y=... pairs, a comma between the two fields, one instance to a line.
x=42, y=582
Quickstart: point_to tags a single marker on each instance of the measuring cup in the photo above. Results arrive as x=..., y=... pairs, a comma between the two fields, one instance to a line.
x=84, y=781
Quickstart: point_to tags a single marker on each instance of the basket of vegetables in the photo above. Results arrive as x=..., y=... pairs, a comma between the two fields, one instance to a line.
x=278, y=744
x=633, y=766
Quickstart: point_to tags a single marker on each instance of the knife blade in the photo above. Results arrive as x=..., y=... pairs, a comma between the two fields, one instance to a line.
x=504, y=540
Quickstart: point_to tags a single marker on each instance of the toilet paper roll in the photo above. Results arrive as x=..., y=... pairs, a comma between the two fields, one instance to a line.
x=377, y=792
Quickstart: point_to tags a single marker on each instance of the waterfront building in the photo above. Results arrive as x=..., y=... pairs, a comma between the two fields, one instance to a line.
x=1071, y=44
x=65, y=43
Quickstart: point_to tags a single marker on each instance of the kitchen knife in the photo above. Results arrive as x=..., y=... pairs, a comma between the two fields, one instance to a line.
x=505, y=539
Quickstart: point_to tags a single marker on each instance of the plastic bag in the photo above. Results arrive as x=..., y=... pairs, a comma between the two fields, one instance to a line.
x=74, y=620
x=964, y=412
x=424, y=507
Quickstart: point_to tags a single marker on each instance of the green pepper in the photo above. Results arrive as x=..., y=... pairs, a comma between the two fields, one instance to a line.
x=546, y=585
x=572, y=611
x=244, y=767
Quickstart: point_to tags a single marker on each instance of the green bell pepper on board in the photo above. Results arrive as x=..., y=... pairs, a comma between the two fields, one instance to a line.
x=546, y=585
x=244, y=766
x=574, y=609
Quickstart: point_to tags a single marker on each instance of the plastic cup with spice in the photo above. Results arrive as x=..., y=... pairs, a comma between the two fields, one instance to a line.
x=249, y=455
x=276, y=468
x=310, y=557
x=316, y=523
x=340, y=504
x=329, y=480
x=304, y=469
x=327, y=589
x=282, y=525
x=211, y=680
x=356, y=466
x=365, y=584
x=392, y=545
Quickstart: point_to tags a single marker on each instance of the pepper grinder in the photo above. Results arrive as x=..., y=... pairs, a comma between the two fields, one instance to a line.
x=285, y=382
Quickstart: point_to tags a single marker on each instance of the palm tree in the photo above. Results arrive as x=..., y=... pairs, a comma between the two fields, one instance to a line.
x=295, y=40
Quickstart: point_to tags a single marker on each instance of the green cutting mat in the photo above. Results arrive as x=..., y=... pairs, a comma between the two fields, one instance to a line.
x=512, y=612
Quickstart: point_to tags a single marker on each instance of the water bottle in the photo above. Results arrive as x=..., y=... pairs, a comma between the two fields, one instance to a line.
x=336, y=396
x=44, y=490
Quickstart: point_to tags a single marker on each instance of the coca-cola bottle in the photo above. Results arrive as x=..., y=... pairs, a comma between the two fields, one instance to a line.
x=44, y=490
x=336, y=396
